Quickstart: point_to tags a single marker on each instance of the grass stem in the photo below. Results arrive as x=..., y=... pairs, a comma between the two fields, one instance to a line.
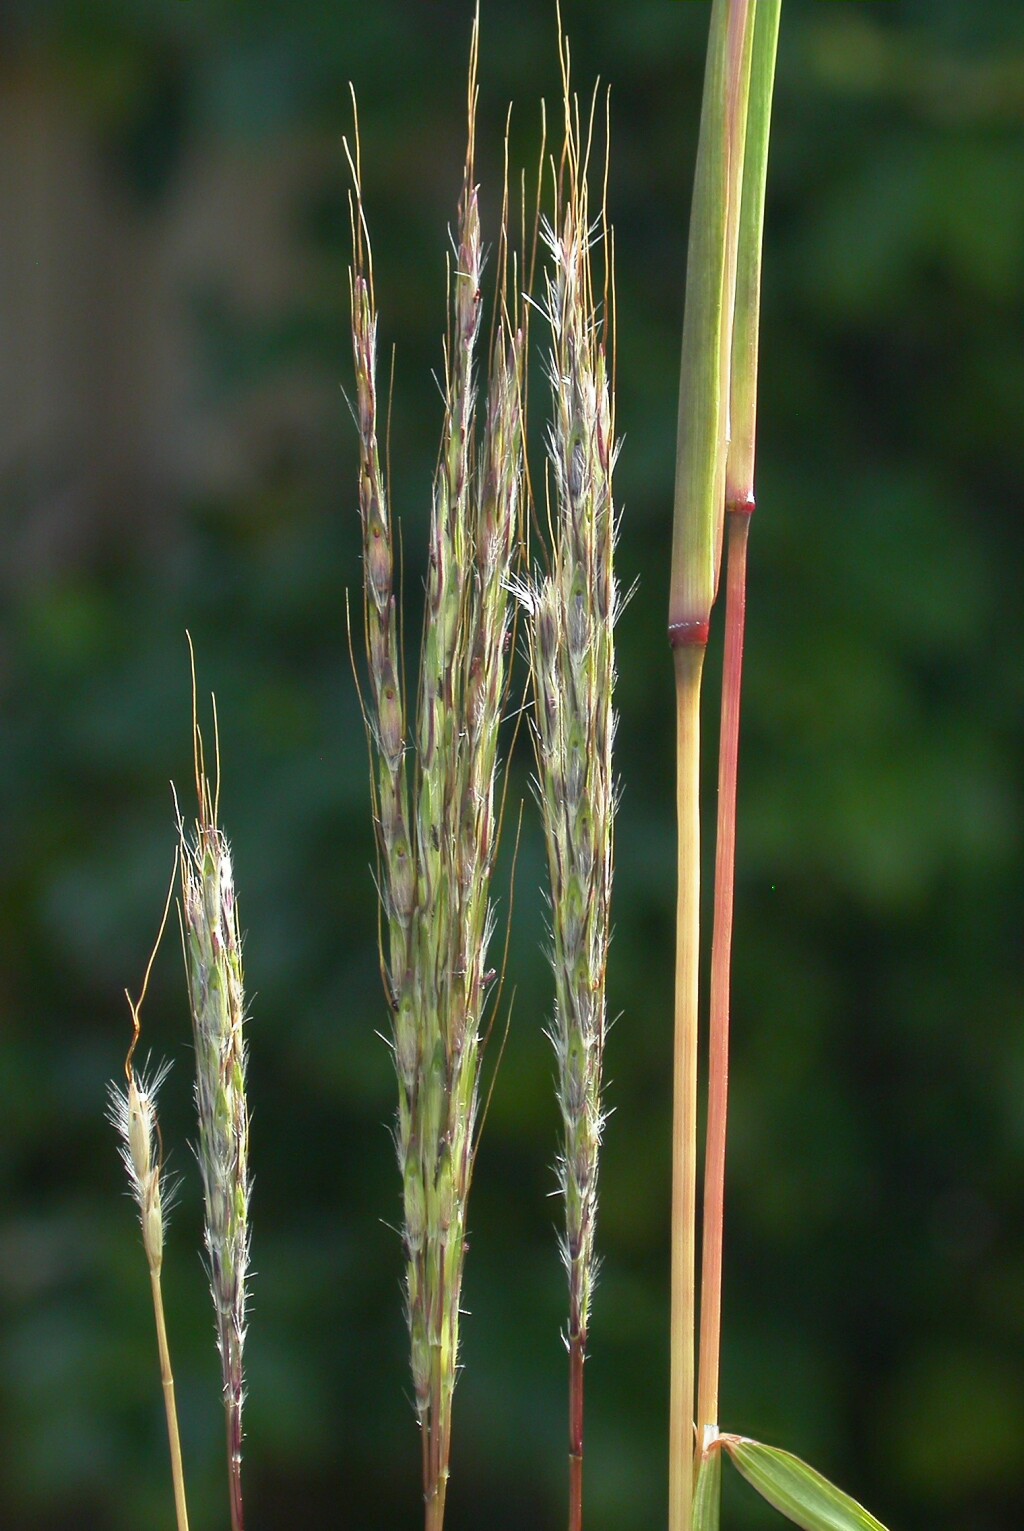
x=689, y=666
x=576, y=1358
x=167, y=1379
x=748, y=217
x=738, y=526
x=234, y=1441
x=435, y=1500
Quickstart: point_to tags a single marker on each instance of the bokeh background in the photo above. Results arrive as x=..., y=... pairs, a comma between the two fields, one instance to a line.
x=175, y=451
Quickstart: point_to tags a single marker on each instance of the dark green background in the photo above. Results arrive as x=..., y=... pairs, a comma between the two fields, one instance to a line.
x=874, y=1296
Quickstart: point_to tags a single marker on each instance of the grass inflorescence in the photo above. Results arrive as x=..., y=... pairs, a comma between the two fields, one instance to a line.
x=573, y=608
x=437, y=808
x=437, y=825
x=213, y=963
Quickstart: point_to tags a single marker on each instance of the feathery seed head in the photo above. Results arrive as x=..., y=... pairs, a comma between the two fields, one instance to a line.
x=131, y=1109
x=213, y=964
x=437, y=826
x=572, y=656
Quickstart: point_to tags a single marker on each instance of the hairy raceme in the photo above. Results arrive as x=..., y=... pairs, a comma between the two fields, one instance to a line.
x=572, y=616
x=575, y=666
x=213, y=961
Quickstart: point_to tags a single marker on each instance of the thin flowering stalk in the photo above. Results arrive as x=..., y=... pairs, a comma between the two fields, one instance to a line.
x=131, y=1108
x=213, y=964
x=572, y=617
x=437, y=834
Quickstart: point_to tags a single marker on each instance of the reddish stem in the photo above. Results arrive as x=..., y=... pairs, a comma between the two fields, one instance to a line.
x=437, y=1426
x=435, y=1486
x=434, y=1518
x=436, y=1491
x=234, y=1412
x=577, y=1356
x=738, y=524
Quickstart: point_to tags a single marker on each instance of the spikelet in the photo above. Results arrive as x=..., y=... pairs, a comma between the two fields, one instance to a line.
x=131, y=1109
x=213, y=964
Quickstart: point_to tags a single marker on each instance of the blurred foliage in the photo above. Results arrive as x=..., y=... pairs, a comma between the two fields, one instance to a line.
x=875, y=1262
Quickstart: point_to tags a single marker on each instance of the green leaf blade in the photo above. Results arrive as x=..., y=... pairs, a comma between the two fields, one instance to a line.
x=797, y=1490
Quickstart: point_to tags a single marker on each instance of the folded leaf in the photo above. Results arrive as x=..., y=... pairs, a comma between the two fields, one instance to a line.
x=707, y=320
x=802, y=1495
x=707, y=1497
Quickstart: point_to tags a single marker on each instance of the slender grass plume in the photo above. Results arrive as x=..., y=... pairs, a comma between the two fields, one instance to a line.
x=132, y=1111
x=572, y=654
x=213, y=964
x=437, y=825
